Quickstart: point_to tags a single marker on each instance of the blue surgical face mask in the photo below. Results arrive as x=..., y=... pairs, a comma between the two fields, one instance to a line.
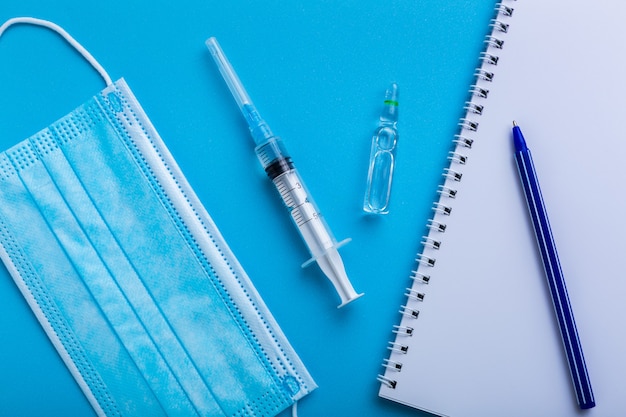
x=130, y=277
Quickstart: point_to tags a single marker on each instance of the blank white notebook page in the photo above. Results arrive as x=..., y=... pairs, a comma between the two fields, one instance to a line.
x=486, y=341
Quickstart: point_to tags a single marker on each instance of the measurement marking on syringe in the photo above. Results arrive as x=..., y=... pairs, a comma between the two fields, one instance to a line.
x=299, y=217
x=286, y=194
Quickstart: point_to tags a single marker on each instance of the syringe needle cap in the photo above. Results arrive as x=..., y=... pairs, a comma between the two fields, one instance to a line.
x=228, y=73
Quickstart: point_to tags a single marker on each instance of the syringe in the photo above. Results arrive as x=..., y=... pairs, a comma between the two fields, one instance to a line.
x=280, y=168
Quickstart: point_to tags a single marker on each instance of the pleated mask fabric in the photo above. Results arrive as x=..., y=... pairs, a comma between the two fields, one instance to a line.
x=130, y=277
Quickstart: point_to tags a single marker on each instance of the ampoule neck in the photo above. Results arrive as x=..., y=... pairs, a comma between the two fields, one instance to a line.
x=390, y=110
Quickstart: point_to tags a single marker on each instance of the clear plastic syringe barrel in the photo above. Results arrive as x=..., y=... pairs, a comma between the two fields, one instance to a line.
x=305, y=215
x=304, y=212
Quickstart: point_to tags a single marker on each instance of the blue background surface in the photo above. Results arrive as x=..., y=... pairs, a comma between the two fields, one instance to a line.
x=317, y=72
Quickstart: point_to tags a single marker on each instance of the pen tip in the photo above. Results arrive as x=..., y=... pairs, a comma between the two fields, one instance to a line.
x=514, y=124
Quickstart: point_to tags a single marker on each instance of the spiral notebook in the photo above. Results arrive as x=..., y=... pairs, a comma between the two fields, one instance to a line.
x=477, y=334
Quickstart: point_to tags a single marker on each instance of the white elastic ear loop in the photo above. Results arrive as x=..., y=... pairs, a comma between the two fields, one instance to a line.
x=58, y=29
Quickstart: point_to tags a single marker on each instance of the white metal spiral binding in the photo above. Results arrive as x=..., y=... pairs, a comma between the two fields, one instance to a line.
x=414, y=294
x=479, y=93
x=457, y=157
x=489, y=58
x=452, y=174
x=446, y=192
x=387, y=381
x=409, y=312
x=403, y=330
x=433, y=225
x=462, y=140
x=498, y=25
x=468, y=124
x=474, y=108
x=442, y=208
x=398, y=347
x=494, y=42
x=418, y=276
x=482, y=74
x=396, y=366
x=504, y=10
x=425, y=260
x=430, y=242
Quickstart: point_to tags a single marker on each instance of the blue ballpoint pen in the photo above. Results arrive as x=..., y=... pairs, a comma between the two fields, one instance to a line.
x=554, y=275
